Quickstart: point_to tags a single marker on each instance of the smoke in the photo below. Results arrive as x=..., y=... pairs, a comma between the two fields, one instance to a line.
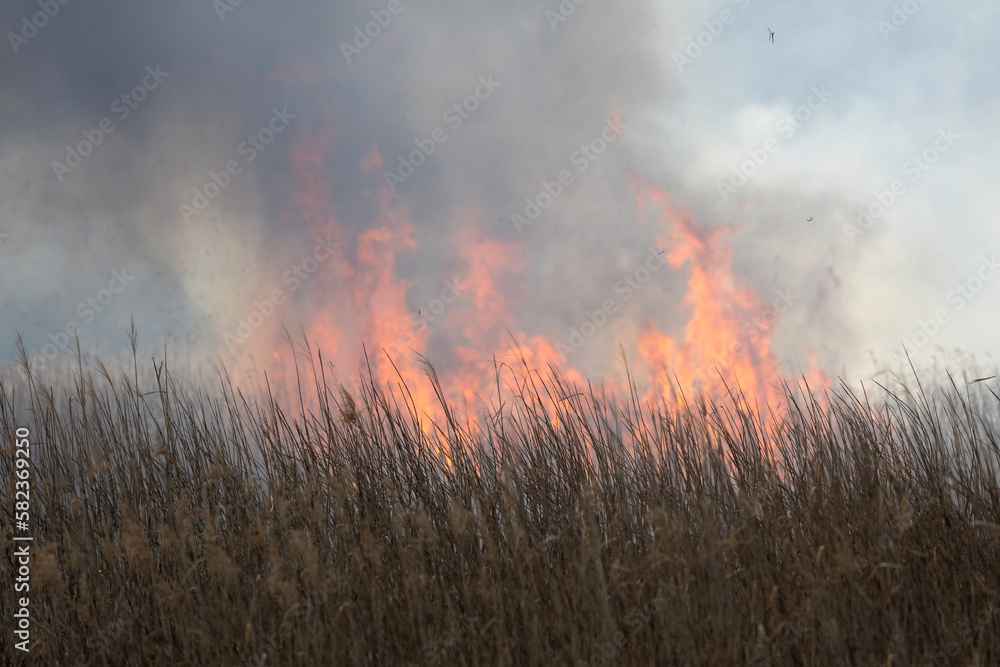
x=344, y=171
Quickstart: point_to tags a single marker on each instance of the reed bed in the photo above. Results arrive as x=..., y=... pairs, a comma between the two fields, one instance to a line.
x=559, y=527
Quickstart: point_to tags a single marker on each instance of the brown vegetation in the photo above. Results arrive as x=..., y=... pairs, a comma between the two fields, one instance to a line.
x=218, y=531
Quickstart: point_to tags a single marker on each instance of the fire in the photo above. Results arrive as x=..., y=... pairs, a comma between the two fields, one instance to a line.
x=379, y=300
x=814, y=376
x=362, y=307
x=483, y=314
x=714, y=350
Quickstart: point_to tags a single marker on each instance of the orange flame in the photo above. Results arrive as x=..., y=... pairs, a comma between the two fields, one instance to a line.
x=365, y=303
x=715, y=350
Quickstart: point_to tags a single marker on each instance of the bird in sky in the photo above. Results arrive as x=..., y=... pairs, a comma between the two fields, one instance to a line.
x=771, y=35
x=809, y=220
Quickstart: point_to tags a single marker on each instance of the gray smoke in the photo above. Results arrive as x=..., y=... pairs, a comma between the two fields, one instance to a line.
x=86, y=247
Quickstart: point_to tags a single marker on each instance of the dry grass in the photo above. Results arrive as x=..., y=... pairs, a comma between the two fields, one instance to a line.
x=218, y=531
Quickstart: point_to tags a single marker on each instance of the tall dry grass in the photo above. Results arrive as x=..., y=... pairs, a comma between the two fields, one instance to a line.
x=567, y=528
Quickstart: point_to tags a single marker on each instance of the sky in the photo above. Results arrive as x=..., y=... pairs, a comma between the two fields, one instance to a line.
x=451, y=179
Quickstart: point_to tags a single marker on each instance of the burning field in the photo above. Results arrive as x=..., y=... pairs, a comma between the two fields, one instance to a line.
x=725, y=342
x=558, y=526
x=541, y=332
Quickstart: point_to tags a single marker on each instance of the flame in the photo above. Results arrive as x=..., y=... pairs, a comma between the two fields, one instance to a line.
x=483, y=312
x=363, y=309
x=361, y=302
x=379, y=299
x=715, y=350
x=815, y=377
